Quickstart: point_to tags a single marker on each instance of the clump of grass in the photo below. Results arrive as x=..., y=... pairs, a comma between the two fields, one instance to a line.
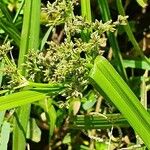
x=55, y=73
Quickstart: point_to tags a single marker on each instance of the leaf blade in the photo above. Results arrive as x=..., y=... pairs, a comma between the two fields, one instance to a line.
x=20, y=98
x=108, y=82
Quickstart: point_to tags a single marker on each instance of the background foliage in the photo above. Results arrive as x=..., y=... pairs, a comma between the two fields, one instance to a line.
x=58, y=91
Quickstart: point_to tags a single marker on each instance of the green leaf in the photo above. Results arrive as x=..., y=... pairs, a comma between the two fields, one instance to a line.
x=5, y=11
x=2, y=113
x=67, y=139
x=11, y=30
x=45, y=85
x=140, y=64
x=4, y=136
x=34, y=23
x=20, y=98
x=86, y=9
x=50, y=112
x=113, y=88
x=86, y=13
x=45, y=38
x=61, y=115
x=19, y=10
x=52, y=116
x=91, y=100
x=83, y=147
x=1, y=73
x=87, y=105
x=20, y=127
x=142, y=3
x=101, y=146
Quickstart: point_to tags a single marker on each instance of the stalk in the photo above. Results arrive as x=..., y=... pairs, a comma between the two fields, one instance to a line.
x=29, y=40
x=86, y=10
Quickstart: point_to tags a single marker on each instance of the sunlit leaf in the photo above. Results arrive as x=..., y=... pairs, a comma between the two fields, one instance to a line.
x=101, y=146
x=142, y=3
x=4, y=136
x=20, y=98
x=113, y=88
x=87, y=105
x=67, y=139
x=140, y=64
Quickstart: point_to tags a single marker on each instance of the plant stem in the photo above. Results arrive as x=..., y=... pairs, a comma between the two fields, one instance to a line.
x=86, y=10
x=29, y=40
x=86, y=13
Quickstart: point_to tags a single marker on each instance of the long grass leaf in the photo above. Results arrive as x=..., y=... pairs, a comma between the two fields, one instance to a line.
x=19, y=98
x=109, y=83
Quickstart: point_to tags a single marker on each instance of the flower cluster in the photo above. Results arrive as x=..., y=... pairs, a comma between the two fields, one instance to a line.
x=4, y=49
x=60, y=64
x=12, y=77
x=68, y=62
x=59, y=11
